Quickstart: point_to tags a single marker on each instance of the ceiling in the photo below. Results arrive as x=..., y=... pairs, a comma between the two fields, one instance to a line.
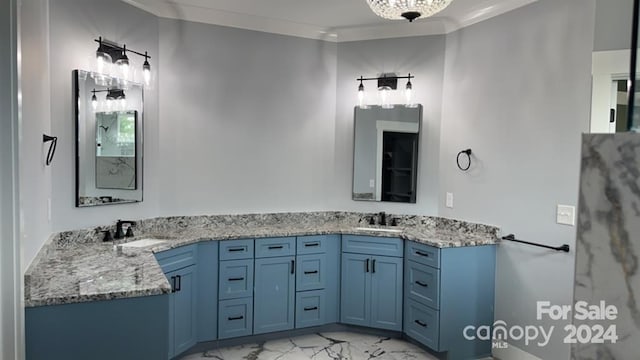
x=331, y=20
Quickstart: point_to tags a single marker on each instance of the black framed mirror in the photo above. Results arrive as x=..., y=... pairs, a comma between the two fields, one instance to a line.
x=109, y=139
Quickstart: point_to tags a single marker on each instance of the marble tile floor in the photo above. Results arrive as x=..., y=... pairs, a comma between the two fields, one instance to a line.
x=321, y=346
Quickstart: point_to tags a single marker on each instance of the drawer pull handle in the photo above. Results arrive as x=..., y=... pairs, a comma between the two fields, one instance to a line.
x=236, y=318
x=311, y=272
x=311, y=308
x=373, y=266
x=366, y=267
x=275, y=247
x=293, y=267
x=311, y=244
x=179, y=278
x=421, y=323
x=236, y=279
x=236, y=249
x=422, y=284
x=422, y=254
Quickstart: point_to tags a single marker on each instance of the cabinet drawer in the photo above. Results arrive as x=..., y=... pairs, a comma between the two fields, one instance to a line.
x=177, y=258
x=235, y=318
x=311, y=272
x=316, y=244
x=236, y=249
x=373, y=245
x=423, y=254
x=310, y=308
x=422, y=283
x=272, y=247
x=236, y=279
x=422, y=324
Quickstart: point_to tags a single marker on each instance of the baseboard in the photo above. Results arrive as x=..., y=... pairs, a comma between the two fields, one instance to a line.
x=513, y=353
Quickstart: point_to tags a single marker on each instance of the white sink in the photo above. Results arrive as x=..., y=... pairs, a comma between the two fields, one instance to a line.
x=379, y=230
x=142, y=243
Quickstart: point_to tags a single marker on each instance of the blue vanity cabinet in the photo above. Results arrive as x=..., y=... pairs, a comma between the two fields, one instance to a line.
x=317, y=280
x=182, y=309
x=130, y=328
x=179, y=266
x=372, y=283
x=235, y=288
x=447, y=290
x=207, y=300
x=275, y=284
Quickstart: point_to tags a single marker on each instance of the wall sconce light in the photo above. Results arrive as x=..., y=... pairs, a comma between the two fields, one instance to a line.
x=113, y=95
x=386, y=83
x=111, y=53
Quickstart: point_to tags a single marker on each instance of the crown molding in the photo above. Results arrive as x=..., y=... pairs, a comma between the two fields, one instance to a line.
x=391, y=29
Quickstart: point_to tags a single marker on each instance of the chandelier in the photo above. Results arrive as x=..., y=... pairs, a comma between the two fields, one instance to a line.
x=407, y=9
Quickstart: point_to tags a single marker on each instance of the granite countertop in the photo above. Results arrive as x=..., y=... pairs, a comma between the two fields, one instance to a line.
x=76, y=267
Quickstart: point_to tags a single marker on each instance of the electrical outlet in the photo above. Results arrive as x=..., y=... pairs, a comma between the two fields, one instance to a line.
x=372, y=183
x=566, y=215
x=449, y=201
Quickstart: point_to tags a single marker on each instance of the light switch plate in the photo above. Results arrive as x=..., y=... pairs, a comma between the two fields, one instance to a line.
x=566, y=215
x=372, y=183
x=449, y=201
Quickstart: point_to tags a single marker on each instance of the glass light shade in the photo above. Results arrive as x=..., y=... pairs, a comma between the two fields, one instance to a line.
x=361, y=95
x=408, y=93
x=147, y=76
x=384, y=97
x=407, y=9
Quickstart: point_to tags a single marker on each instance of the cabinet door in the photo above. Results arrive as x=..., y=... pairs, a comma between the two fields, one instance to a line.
x=274, y=295
x=311, y=272
x=310, y=308
x=236, y=279
x=182, y=334
x=235, y=318
x=386, y=292
x=355, y=298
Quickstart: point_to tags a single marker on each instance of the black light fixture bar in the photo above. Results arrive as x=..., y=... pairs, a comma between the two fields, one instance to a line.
x=114, y=49
x=388, y=80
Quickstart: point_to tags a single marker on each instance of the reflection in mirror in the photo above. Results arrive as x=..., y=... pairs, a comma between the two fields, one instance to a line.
x=116, y=150
x=108, y=140
x=385, y=154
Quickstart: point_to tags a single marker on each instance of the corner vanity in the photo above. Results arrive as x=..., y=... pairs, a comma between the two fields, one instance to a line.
x=223, y=278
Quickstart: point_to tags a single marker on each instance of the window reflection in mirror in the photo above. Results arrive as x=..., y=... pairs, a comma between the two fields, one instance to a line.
x=385, y=154
x=108, y=118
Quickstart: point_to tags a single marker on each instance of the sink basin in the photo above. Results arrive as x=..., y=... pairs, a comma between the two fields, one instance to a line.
x=379, y=230
x=142, y=243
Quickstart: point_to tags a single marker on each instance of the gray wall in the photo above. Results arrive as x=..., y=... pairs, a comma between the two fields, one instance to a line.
x=614, y=20
x=36, y=120
x=10, y=274
x=420, y=56
x=517, y=91
x=247, y=120
x=74, y=24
